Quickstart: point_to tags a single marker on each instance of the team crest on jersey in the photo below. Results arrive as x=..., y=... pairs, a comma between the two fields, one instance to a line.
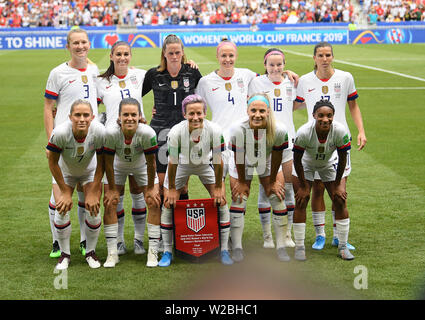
x=228, y=86
x=80, y=150
x=84, y=78
x=174, y=84
x=127, y=151
x=277, y=92
x=337, y=87
x=122, y=84
x=321, y=149
x=186, y=82
x=195, y=218
x=325, y=89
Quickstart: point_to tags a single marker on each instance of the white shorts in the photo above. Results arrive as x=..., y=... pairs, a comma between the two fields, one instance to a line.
x=326, y=174
x=249, y=170
x=227, y=156
x=205, y=172
x=140, y=175
x=73, y=180
x=347, y=167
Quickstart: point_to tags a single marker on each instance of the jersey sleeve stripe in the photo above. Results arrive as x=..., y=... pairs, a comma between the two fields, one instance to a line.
x=99, y=151
x=345, y=147
x=298, y=149
x=53, y=148
x=299, y=99
x=108, y=151
x=219, y=148
x=352, y=96
x=281, y=147
x=50, y=95
x=154, y=149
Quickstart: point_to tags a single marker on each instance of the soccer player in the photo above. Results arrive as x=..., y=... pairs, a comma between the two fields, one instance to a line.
x=72, y=147
x=116, y=83
x=321, y=147
x=71, y=80
x=171, y=82
x=130, y=148
x=336, y=86
x=282, y=92
x=257, y=144
x=190, y=144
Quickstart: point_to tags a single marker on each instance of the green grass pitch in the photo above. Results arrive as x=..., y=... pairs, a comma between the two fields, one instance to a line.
x=386, y=192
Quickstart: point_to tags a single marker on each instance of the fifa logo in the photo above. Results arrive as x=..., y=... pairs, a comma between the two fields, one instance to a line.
x=195, y=218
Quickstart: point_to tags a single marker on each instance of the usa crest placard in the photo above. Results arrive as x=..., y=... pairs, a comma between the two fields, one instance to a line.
x=196, y=229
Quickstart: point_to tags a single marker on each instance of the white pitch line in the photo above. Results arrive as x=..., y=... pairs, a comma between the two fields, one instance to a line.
x=390, y=88
x=361, y=66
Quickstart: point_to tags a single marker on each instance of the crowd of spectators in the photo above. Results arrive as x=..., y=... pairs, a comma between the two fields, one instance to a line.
x=67, y=13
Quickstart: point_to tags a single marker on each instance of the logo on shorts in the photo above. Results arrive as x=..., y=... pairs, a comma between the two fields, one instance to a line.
x=195, y=218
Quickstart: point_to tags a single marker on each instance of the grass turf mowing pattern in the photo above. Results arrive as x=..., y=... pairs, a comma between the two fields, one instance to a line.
x=386, y=189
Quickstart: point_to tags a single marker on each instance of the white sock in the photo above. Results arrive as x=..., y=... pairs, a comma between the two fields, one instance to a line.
x=319, y=222
x=167, y=229
x=121, y=219
x=92, y=230
x=138, y=213
x=224, y=227
x=237, y=222
x=111, y=233
x=81, y=215
x=280, y=219
x=154, y=233
x=63, y=231
x=342, y=229
x=290, y=204
x=299, y=234
x=52, y=210
x=334, y=225
x=264, y=210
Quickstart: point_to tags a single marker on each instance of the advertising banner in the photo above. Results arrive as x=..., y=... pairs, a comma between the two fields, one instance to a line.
x=389, y=35
x=196, y=229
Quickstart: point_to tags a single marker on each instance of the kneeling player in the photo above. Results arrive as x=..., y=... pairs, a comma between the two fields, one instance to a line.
x=321, y=146
x=130, y=148
x=189, y=146
x=73, y=145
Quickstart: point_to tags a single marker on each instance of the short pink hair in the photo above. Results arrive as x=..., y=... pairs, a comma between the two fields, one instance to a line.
x=191, y=99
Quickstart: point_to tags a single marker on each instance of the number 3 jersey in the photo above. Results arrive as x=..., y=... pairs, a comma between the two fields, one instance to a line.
x=338, y=89
x=281, y=94
x=66, y=85
x=130, y=154
x=319, y=153
x=110, y=93
x=226, y=97
x=77, y=156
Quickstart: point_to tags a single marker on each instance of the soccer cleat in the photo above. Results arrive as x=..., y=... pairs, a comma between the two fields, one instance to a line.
x=282, y=255
x=237, y=255
x=319, y=243
x=166, y=259
x=83, y=247
x=111, y=260
x=300, y=253
x=92, y=260
x=268, y=241
x=152, y=258
x=63, y=262
x=225, y=258
x=56, y=252
x=335, y=243
x=138, y=247
x=287, y=241
x=344, y=253
x=122, y=249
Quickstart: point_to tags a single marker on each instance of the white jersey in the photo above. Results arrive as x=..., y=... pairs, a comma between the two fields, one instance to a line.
x=66, y=84
x=226, y=97
x=282, y=95
x=77, y=156
x=338, y=89
x=110, y=93
x=243, y=141
x=319, y=153
x=195, y=148
x=130, y=154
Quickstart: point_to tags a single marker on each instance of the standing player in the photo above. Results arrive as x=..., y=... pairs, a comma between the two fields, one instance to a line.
x=116, y=83
x=282, y=92
x=315, y=150
x=336, y=86
x=190, y=144
x=171, y=82
x=72, y=147
x=257, y=144
x=71, y=80
x=130, y=148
